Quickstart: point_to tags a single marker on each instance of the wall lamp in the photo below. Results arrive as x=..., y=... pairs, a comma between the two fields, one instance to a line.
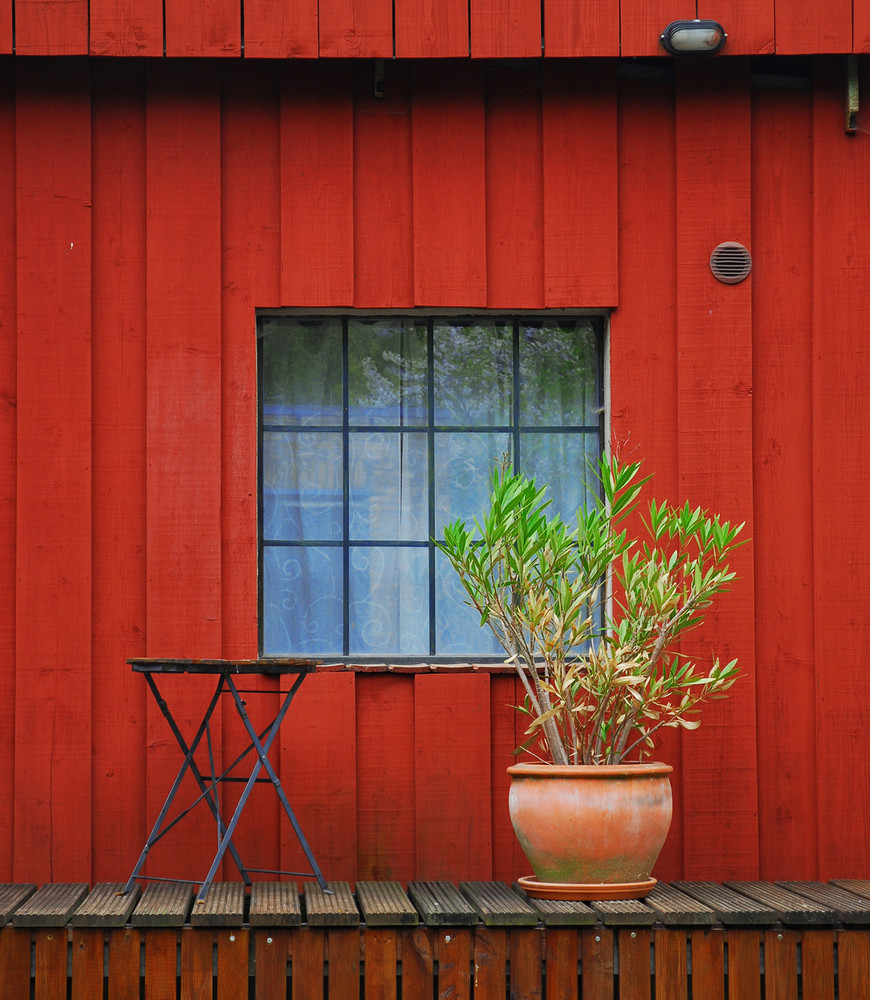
x=698, y=36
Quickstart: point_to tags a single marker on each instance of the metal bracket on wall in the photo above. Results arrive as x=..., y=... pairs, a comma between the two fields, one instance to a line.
x=851, y=94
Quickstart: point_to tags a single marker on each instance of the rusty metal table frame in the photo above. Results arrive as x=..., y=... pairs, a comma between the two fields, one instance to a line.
x=226, y=672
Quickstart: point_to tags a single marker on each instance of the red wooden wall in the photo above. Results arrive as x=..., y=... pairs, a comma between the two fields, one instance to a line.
x=147, y=209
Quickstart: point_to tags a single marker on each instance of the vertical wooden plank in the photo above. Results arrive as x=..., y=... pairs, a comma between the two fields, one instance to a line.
x=562, y=957
x=490, y=965
x=803, y=26
x=643, y=336
x=161, y=964
x=525, y=964
x=780, y=965
x=580, y=185
x=87, y=964
x=307, y=958
x=195, y=978
x=714, y=329
x=634, y=964
x=670, y=964
x=53, y=614
x=318, y=751
x=817, y=964
x=782, y=247
x=126, y=27
x=124, y=968
x=49, y=964
x=15, y=963
x=507, y=729
x=501, y=29
x=433, y=29
x=281, y=31
x=860, y=26
x=232, y=964
x=343, y=956
x=841, y=556
x=451, y=733
x=383, y=224
x=748, y=23
x=317, y=185
x=57, y=28
x=360, y=29
x=853, y=964
x=203, y=28
x=7, y=36
x=250, y=236
x=744, y=965
x=581, y=29
x=380, y=970
x=708, y=964
x=385, y=805
x=271, y=948
x=8, y=463
x=643, y=21
x=417, y=961
x=514, y=189
x=183, y=424
x=449, y=186
x=455, y=949
x=118, y=696
x=596, y=958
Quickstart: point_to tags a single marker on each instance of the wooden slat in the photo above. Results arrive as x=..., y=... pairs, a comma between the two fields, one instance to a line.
x=675, y=908
x=163, y=904
x=270, y=961
x=749, y=24
x=858, y=886
x=562, y=954
x=744, y=964
x=381, y=968
x=202, y=28
x=385, y=904
x=580, y=185
x=624, y=912
x=51, y=29
x=671, y=957
x=223, y=906
x=634, y=962
x=124, y=968
x=497, y=905
x=15, y=963
x=126, y=27
x=161, y=961
x=848, y=907
x=50, y=963
x=232, y=965
x=317, y=185
x=279, y=31
x=195, y=963
x=12, y=896
x=308, y=962
x=789, y=908
x=360, y=29
x=561, y=912
x=449, y=154
x=817, y=964
x=643, y=22
x=732, y=908
x=50, y=906
x=275, y=904
x=86, y=964
x=490, y=968
x=425, y=30
x=455, y=951
x=803, y=27
x=330, y=909
x=781, y=964
x=581, y=29
x=106, y=907
x=417, y=962
x=506, y=729
x=500, y=29
x=596, y=960
x=440, y=904
x=525, y=964
x=708, y=963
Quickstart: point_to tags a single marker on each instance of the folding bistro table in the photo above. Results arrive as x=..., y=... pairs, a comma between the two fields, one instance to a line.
x=228, y=674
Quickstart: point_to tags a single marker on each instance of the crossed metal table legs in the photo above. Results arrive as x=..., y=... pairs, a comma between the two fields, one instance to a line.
x=260, y=743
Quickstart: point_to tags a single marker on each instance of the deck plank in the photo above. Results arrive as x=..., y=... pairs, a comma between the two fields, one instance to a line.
x=50, y=906
x=12, y=895
x=559, y=912
x=790, y=908
x=849, y=907
x=163, y=904
x=223, y=906
x=624, y=912
x=385, y=904
x=733, y=908
x=275, y=904
x=441, y=904
x=106, y=906
x=335, y=908
x=676, y=909
x=497, y=905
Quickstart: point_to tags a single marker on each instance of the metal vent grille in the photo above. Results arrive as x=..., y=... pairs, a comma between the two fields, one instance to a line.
x=730, y=263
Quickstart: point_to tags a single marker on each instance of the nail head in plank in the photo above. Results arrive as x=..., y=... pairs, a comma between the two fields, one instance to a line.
x=12, y=895
x=50, y=906
x=223, y=906
x=623, y=912
x=106, y=906
x=497, y=906
x=385, y=904
x=335, y=908
x=163, y=904
x=849, y=907
x=732, y=908
x=441, y=904
x=275, y=904
x=560, y=912
x=676, y=909
x=790, y=909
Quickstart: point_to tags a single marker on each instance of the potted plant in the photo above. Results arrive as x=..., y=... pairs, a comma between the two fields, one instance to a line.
x=590, y=616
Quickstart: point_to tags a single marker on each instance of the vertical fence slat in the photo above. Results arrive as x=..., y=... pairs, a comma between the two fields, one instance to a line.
x=853, y=964
x=307, y=954
x=271, y=950
x=744, y=964
x=455, y=949
x=343, y=956
x=490, y=966
x=780, y=965
x=671, y=966
x=124, y=964
x=15, y=963
x=708, y=964
x=232, y=964
x=817, y=965
x=525, y=964
x=417, y=962
x=563, y=957
x=87, y=964
x=634, y=964
x=50, y=964
x=380, y=967
x=596, y=958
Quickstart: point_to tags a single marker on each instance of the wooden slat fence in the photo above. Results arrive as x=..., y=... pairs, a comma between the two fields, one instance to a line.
x=482, y=939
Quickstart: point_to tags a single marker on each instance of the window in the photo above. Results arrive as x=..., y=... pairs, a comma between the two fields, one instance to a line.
x=374, y=434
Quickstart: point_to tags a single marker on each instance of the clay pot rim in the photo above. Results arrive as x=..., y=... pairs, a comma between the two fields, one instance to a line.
x=650, y=770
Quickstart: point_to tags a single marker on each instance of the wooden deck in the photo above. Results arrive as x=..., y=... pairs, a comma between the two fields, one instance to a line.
x=701, y=940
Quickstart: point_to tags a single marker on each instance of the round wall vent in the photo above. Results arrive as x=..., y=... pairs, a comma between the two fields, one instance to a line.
x=730, y=263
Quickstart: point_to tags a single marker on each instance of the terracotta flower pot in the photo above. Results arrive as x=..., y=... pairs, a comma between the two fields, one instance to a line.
x=590, y=832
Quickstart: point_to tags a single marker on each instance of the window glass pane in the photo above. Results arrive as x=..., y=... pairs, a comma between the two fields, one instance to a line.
x=387, y=372
x=558, y=374
x=463, y=473
x=389, y=600
x=302, y=600
x=561, y=462
x=389, y=494
x=458, y=628
x=302, y=486
x=473, y=376
x=301, y=379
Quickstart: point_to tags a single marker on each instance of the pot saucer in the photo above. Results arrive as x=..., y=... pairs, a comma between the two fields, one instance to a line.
x=596, y=890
